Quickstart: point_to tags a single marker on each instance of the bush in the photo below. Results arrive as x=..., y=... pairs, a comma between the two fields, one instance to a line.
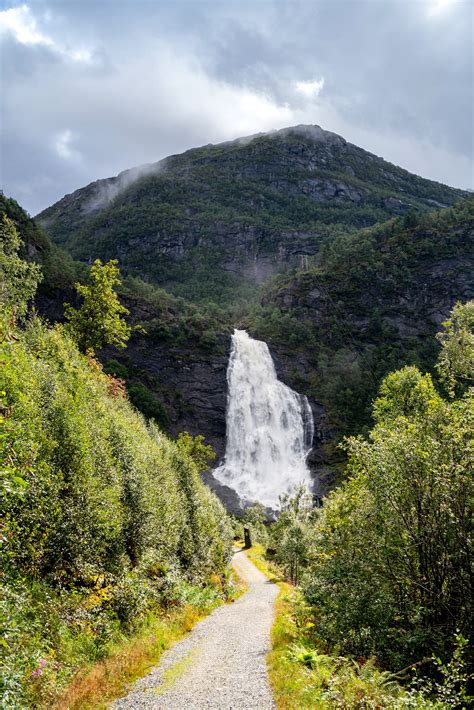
x=104, y=515
x=390, y=555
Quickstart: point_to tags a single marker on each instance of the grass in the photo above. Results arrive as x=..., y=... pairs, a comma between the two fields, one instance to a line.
x=257, y=555
x=93, y=687
x=176, y=671
x=306, y=676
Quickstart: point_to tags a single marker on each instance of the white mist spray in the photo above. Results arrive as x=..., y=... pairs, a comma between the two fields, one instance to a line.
x=269, y=427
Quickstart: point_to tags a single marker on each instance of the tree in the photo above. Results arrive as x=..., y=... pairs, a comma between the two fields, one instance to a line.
x=99, y=321
x=195, y=448
x=291, y=533
x=18, y=278
x=391, y=551
x=456, y=361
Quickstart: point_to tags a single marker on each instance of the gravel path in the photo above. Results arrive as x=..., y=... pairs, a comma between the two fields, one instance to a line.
x=221, y=663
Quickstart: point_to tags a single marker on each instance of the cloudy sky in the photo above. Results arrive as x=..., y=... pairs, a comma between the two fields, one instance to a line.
x=92, y=87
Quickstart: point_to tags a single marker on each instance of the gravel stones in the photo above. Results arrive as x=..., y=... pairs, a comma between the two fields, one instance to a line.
x=221, y=663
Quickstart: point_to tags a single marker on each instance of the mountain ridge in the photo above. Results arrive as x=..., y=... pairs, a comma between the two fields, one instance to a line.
x=247, y=208
x=313, y=130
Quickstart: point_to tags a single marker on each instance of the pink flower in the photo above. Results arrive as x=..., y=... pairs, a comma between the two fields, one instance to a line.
x=37, y=671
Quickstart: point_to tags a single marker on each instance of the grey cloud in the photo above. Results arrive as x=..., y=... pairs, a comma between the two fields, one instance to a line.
x=165, y=77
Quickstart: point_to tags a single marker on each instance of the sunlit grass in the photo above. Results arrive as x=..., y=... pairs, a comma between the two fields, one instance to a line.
x=93, y=687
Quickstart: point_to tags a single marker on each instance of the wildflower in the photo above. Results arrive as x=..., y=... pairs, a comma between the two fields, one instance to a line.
x=39, y=668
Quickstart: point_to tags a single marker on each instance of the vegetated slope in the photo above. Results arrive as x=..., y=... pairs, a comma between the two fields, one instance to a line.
x=105, y=518
x=174, y=367
x=335, y=330
x=372, y=305
x=201, y=222
x=58, y=268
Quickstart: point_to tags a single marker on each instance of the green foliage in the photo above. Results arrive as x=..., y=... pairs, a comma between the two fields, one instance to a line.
x=148, y=404
x=181, y=225
x=306, y=673
x=456, y=361
x=364, y=309
x=451, y=686
x=171, y=319
x=104, y=517
x=405, y=393
x=18, y=278
x=391, y=551
x=254, y=518
x=385, y=564
x=99, y=321
x=291, y=533
x=141, y=396
x=57, y=266
x=201, y=454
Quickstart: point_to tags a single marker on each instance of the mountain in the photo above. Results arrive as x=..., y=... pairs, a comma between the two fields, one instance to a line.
x=358, y=269
x=213, y=221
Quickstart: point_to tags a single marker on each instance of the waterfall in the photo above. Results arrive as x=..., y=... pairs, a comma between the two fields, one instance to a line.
x=269, y=427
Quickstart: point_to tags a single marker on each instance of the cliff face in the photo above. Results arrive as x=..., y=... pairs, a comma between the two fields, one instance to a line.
x=245, y=209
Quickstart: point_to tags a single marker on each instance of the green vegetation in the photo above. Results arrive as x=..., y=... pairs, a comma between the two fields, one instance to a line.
x=368, y=307
x=173, y=320
x=384, y=567
x=107, y=524
x=392, y=545
x=99, y=320
x=58, y=269
x=456, y=363
x=306, y=673
x=184, y=221
x=106, y=521
x=18, y=279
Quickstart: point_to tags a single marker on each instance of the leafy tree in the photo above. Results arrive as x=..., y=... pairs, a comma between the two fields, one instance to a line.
x=195, y=448
x=254, y=518
x=291, y=533
x=18, y=278
x=144, y=399
x=255, y=514
x=391, y=553
x=456, y=361
x=99, y=321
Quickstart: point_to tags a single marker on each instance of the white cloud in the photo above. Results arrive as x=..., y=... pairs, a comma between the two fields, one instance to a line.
x=229, y=111
x=22, y=25
x=63, y=146
x=20, y=22
x=310, y=89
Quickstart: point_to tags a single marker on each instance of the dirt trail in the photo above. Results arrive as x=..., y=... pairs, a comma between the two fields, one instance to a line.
x=222, y=662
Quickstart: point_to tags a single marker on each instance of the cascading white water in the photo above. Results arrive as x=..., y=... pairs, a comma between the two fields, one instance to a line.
x=269, y=427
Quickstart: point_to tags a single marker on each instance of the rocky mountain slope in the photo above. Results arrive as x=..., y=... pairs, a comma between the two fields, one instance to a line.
x=202, y=223
x=373, y=304
x=348, y=303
